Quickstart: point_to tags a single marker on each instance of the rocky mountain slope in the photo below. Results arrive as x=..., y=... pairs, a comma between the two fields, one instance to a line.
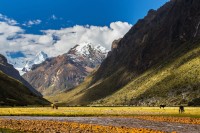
x=14, y=89
x=66, y=71
x=156, y=62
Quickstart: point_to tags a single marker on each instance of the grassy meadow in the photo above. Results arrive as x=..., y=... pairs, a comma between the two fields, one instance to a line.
x=99, y=111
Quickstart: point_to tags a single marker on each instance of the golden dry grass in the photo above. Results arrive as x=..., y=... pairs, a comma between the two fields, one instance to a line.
x=100, y=111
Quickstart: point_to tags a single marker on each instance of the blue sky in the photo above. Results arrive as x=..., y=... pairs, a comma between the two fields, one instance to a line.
x=76, y=12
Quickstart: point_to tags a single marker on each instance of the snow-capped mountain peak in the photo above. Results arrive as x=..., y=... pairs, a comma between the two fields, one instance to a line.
x=39, y=58
x=88, y=54
x=101, y=49
x=86, y=48
x=66, y=71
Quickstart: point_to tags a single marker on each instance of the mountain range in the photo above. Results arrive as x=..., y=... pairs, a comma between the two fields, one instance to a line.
x=156, y=62
x=66, y=71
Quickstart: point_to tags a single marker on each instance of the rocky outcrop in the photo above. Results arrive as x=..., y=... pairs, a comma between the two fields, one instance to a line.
x=115, y=44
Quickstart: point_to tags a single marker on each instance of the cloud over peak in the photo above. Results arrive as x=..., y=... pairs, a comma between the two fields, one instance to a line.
x=95, y=34
x=57, y=42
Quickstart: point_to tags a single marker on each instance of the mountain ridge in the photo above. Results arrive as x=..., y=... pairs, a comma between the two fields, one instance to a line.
x=148, y=60
x=66, y=71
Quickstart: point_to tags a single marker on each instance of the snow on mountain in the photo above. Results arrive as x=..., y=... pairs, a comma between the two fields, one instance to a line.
x=24, y=64
x=39, y=58
x=66, y=71
x=85, y=48
x=89, y=54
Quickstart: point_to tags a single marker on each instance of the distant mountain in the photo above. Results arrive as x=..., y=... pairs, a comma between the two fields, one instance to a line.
x=24, y=64
x=156, y=62
x=39, y=58
x=66, y=71
x=14, y=90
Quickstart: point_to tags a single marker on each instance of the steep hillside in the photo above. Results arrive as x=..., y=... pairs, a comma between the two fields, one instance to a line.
x=73, y=96
x=172, y=82
x=14, y=93
x=9, y=70
x=66, y=71
x=157, y=61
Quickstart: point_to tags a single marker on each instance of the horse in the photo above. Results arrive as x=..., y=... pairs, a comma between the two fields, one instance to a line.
x=181, y=109
x=162, y=106
x=54, y=106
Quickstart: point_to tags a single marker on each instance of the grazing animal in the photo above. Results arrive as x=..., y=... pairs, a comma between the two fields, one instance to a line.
x=54, y=106
x=162, y=106
x=181, y=109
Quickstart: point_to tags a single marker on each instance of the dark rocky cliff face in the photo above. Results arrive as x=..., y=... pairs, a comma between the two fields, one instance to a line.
x=12, y=72
x=154, y=38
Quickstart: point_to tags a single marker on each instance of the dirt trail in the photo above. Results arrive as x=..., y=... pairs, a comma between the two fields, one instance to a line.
x=112, y=121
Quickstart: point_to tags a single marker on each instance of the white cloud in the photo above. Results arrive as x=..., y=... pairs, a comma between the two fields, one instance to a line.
x=46, y=39
x=57, y=42
x=8, y=32
x=94, y=34
x=32, y=22
x=7, y=20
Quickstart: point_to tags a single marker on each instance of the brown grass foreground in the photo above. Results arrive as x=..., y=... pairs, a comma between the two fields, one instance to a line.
x=66, y=127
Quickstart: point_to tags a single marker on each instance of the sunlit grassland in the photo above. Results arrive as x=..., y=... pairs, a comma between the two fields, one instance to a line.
x=99, y=111
x=169, y=83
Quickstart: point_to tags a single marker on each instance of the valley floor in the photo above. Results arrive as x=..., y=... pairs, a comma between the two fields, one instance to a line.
x=102, y=119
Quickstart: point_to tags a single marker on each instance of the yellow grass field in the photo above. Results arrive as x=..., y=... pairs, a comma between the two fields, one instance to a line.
x=99, y=111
